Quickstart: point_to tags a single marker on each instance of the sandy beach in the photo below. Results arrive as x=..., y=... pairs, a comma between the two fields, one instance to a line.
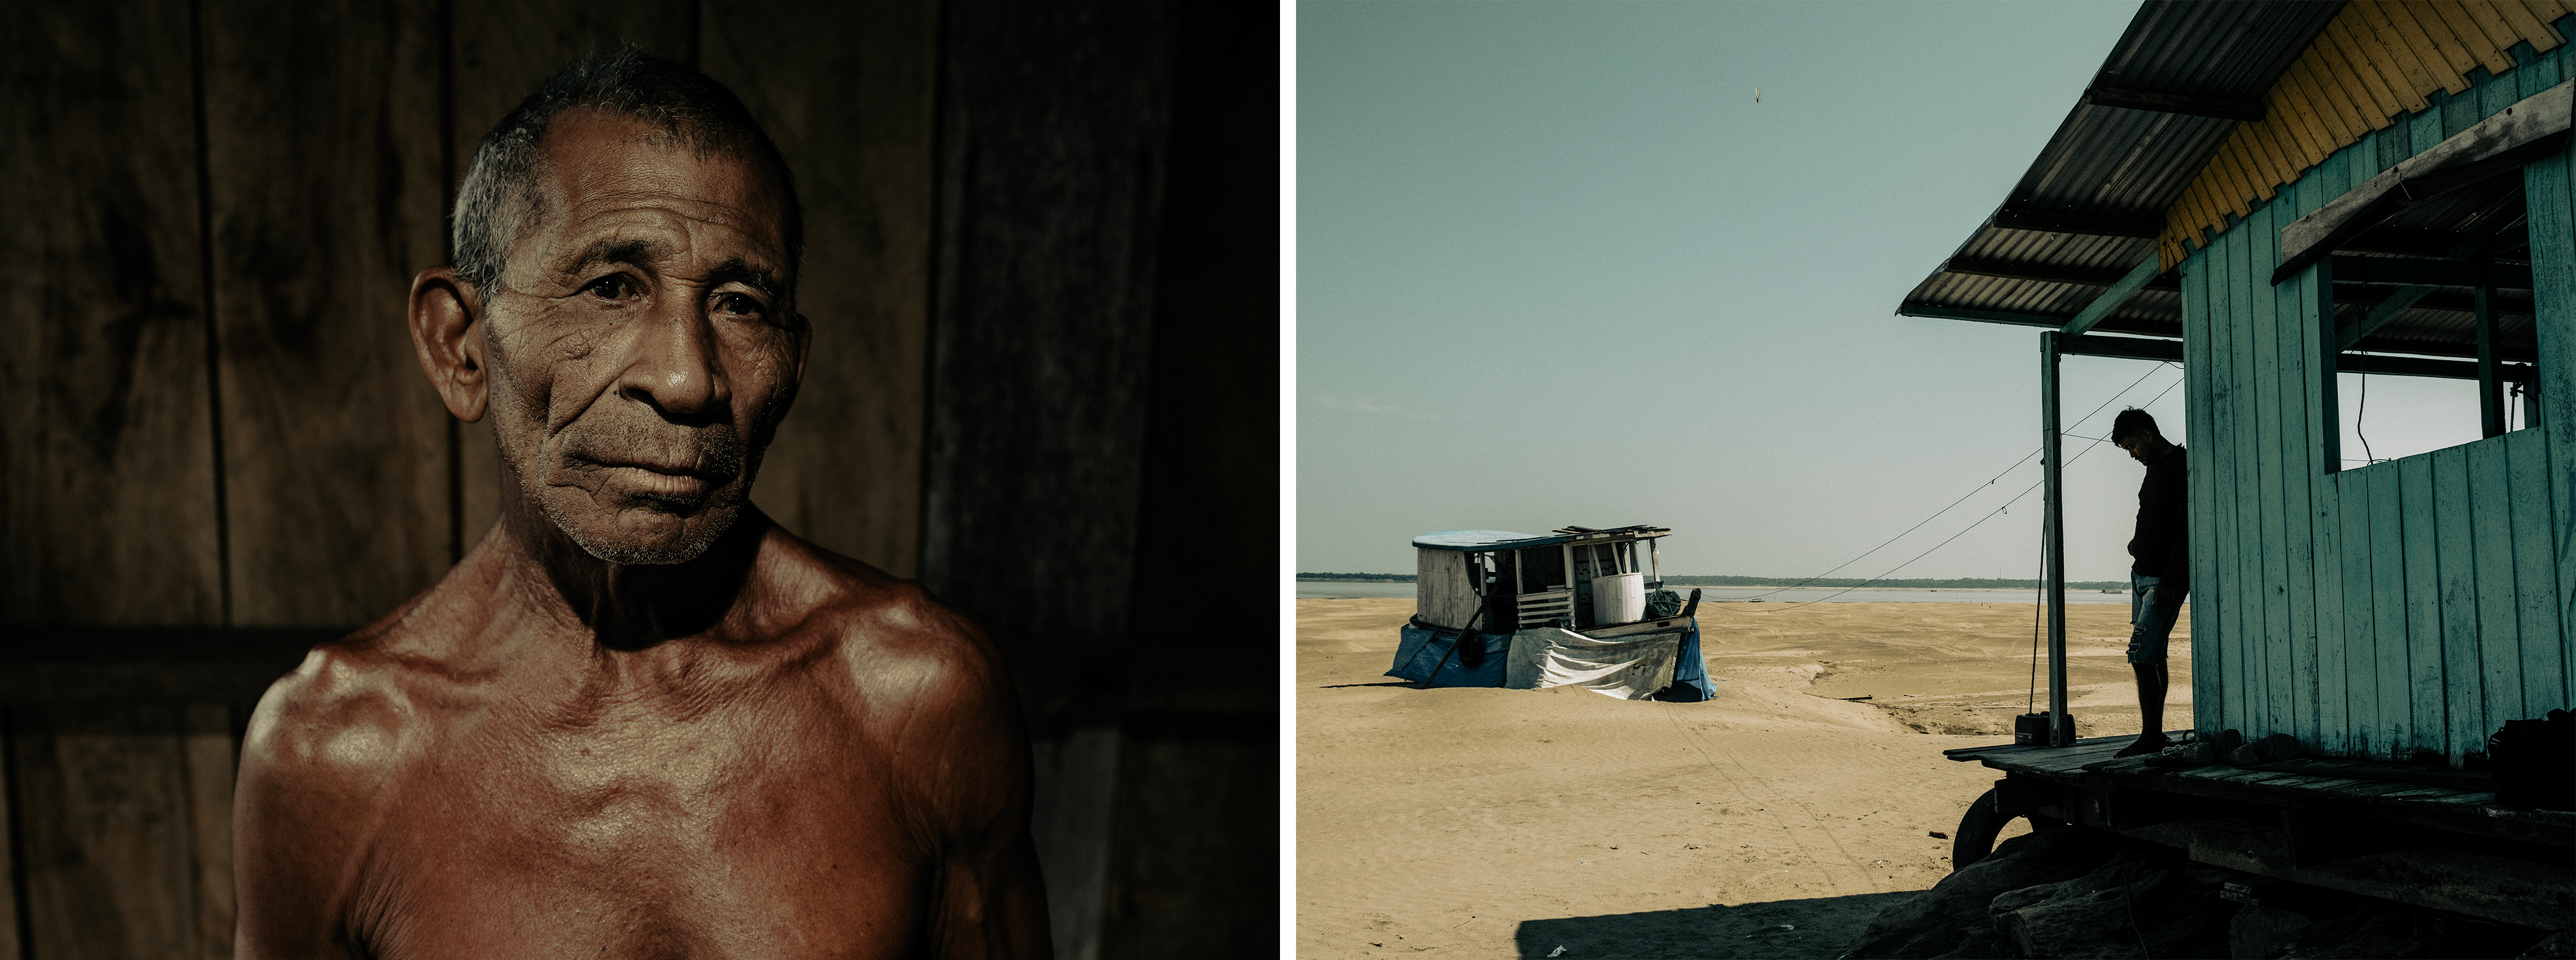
x=1773, y=821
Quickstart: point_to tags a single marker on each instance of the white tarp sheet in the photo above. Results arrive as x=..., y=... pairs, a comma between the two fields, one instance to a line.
x=1629, y=668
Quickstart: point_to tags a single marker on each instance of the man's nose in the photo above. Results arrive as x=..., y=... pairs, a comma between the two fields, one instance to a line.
x=676, y=366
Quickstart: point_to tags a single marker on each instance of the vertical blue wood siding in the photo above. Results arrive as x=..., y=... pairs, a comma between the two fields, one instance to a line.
x=2406, y=606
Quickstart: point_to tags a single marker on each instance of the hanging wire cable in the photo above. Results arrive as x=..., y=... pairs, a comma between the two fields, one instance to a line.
x=2038, y=600
x=1980, y=488
x=2358, y=413
x=2079, y=455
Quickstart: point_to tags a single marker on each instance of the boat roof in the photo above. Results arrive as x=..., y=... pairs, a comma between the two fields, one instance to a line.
x=1486, y=541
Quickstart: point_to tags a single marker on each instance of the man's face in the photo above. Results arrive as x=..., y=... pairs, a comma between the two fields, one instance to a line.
x=640, y=348
x=2139, y=446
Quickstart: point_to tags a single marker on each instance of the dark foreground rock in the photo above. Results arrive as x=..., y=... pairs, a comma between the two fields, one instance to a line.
x=2073, y=892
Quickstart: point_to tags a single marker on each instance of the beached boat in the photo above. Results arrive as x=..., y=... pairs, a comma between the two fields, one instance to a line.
x=1575, y=607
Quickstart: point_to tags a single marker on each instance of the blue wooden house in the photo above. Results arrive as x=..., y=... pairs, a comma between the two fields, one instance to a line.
x=2271, y=192
x=2268, y=193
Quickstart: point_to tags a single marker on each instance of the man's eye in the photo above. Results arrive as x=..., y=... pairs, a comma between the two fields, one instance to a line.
x=738, y=305
x=607, y=288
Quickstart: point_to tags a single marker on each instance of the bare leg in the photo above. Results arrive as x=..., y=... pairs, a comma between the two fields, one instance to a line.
x=2152, y=680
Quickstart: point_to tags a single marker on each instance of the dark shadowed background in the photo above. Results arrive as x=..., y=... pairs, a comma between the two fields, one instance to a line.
x=1043, y=276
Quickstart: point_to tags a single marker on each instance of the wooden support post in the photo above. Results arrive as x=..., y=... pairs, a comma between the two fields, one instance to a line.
x=2120, y=292
x=2060, y=732
x=2490, y=403
x=1574, y=592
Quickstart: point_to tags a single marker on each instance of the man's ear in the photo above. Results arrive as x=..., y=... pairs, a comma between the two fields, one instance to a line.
x=447, y=335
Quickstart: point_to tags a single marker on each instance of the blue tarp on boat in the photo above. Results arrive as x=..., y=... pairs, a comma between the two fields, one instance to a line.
x=1431, y=655
x=1690, y=673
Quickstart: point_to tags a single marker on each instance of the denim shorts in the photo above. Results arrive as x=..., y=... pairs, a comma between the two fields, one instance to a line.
x=2149, y=627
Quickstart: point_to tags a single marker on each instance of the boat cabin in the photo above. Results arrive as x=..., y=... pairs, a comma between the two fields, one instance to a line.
x=1497, y=581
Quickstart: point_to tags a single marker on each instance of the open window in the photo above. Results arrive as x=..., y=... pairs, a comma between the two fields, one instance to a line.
x=2424, y=274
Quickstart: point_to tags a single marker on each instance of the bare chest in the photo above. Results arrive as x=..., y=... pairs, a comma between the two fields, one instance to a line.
x=744, y=833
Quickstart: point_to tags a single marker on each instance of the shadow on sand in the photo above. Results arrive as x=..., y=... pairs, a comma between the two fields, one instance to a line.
x=1825, y=925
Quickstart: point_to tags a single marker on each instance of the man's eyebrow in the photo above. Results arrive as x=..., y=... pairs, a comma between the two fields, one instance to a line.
x=614, y=250
x=738, y=270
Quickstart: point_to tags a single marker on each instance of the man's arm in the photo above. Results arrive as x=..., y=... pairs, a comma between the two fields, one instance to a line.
x=312, y=762
x=963, y=752
x=2177, y=560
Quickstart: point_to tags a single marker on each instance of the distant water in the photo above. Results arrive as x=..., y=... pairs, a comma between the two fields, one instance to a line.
x=1324, y=589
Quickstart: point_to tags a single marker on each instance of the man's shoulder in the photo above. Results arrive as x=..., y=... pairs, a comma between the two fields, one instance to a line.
x=898, y=645
x=348, y=713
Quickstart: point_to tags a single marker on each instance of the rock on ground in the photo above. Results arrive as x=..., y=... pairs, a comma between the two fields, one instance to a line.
x=2074, y=892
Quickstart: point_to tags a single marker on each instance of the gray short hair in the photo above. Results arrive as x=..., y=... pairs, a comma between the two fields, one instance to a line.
x=499, y=198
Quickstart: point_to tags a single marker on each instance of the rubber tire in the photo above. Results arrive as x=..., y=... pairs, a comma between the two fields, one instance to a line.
x=1979, y=827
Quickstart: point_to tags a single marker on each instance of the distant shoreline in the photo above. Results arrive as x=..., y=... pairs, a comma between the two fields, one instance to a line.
x=1732, y=583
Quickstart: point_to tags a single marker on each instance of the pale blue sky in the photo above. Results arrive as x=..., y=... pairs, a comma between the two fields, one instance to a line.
x=1556, y=266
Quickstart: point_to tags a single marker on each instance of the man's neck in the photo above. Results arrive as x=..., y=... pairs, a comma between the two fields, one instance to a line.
x=627, y=606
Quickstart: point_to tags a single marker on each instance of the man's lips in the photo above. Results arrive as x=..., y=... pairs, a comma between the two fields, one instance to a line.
x=656, y=478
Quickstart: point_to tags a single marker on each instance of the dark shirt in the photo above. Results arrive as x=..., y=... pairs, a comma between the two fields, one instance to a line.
x=2162, y=546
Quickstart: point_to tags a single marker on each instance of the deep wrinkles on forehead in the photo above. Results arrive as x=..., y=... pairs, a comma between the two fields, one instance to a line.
x=608, y=250
x=623, y=186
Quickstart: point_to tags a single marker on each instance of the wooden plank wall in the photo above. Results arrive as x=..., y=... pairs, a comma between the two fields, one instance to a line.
x=1443, y=594
x=2405, y=606
x=1102, y=458
x=221, y=206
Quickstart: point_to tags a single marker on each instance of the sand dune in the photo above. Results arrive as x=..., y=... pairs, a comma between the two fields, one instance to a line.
x=1485, y=822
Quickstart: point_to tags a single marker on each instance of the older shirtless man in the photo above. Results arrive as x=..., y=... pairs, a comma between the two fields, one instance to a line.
x=638, y=719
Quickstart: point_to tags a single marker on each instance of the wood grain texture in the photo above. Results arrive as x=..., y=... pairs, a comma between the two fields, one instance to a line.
x=2424, y=130
x=2323, y=436
x=2456, y=586
x=326, y=201
x=2209, y=613
x=10, y=824
x=207, y=750
x=2423, y=606
x=1052, y=124
x=1212, y=441
x=2388, y=611
x=2492, y=503
x=2550, y=186
x=2279, y=711
x=2250, y=597
x=2223, y=450
x=2365, y=734
x=2299, y=470
x=2335, y=643
x=1187, y=884
x=2215, y=458
x=845, y=91
x=2544, y=663
x=103, y=812
x=108, y=509
x=501, y=52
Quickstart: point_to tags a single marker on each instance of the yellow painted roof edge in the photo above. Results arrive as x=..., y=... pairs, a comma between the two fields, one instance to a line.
x=2374, y=62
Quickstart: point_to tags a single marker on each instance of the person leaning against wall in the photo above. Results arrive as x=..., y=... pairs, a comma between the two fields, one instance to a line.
x=2159, y=568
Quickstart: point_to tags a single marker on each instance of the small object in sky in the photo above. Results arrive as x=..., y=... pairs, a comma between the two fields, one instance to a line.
x=1757, y=94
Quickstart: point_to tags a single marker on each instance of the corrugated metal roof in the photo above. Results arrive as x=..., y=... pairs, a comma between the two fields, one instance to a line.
x=2123, y=164
x=2118, y=185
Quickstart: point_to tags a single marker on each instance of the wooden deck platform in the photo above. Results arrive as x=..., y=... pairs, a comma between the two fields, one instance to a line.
x=2433, y=837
